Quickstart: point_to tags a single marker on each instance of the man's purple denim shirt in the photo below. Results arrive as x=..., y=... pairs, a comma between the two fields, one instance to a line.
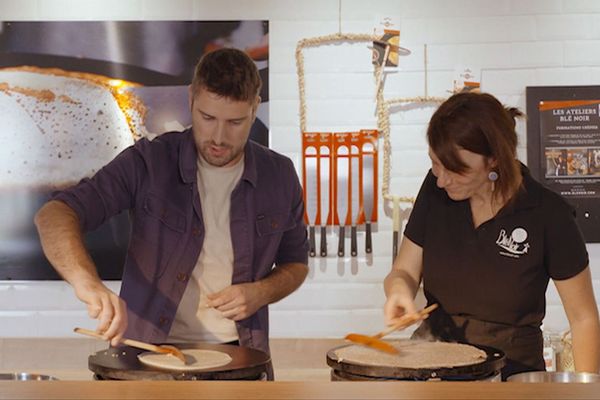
x=156, y=181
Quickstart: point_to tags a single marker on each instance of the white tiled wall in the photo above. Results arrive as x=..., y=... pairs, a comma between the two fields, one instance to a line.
x=516, y=43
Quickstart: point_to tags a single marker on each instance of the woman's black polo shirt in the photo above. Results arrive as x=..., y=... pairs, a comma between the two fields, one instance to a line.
x=498, y=272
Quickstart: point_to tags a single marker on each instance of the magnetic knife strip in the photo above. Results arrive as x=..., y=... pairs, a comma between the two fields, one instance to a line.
x=340, y=186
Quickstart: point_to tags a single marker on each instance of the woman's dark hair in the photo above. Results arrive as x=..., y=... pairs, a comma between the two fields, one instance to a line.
x=228, y=72
x=479, y=123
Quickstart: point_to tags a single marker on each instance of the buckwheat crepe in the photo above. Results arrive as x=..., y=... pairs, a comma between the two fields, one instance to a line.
x=414, y=354
x=203, y=359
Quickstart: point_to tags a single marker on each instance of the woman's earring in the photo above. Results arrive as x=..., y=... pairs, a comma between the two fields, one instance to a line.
x=493, y=177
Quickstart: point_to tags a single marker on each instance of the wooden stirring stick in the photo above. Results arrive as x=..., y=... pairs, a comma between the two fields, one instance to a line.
x=164, y=349
x=403, y=322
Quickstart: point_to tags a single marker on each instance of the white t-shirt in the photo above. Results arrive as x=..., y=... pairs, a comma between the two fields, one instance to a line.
x=214, y=268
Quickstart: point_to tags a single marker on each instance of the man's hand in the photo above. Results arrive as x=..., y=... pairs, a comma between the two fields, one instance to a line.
x=240, y=301
x=237, y=302
x=62, y=241
x=105, y=306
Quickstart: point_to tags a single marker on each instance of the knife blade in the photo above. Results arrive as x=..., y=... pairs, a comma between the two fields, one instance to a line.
x=355, y=203
x=311, y=195
x=342, y=194
x=368, y=192
x=324, y=197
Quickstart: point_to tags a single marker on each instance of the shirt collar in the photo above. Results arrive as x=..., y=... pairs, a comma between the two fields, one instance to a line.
x=529, y=194
x=189, y=155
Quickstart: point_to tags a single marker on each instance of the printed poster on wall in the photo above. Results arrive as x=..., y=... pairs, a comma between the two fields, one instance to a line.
x=74, y=94
x=570, y=143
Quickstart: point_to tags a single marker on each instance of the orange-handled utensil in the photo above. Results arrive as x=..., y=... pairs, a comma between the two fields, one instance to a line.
x=163, y=349
x=375, y=341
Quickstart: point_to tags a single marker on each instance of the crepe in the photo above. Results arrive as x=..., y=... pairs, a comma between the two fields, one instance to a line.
x=414, y=354
x=203, y=359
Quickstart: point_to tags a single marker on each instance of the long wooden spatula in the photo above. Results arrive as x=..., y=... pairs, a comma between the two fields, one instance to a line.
x=163, y=349
x=375, y=341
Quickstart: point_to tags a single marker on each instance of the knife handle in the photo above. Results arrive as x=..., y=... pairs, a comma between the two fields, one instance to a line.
x=368, y=243
x=353, y=246
x=311, y=241
x=341, y=242
x=395, y=226
x=395, y=246
x=323, y=241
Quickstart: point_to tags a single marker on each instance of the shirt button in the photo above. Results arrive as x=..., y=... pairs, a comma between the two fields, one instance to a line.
x=274, y=224
x=181, y=277
x=195, y=231
x=163, y=320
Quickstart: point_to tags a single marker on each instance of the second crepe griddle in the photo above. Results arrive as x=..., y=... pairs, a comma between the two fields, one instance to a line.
x=494, y=362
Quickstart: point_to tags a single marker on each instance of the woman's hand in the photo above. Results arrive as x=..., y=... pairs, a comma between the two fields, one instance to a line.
x=402, y=283
x=397, y=305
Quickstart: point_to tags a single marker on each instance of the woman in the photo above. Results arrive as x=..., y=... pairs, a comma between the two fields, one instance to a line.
x=485, y=238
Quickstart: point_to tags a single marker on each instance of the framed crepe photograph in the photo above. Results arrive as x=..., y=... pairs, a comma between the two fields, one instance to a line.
x=563, y=147
x=74, y=94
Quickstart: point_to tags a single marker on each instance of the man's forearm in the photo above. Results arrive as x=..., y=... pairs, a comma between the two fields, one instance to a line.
x=284, y=279
x=62, y=242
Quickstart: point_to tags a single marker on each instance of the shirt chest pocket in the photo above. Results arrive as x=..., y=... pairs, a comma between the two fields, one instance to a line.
x=273, y=223
x=160, y=218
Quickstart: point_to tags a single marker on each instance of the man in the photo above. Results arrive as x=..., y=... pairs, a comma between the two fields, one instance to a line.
x=211, y=213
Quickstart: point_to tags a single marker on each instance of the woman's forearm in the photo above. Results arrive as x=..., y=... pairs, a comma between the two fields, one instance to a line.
x=400, y=281
x=586, y=345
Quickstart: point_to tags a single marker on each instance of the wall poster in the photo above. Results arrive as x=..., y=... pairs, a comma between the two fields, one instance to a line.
x=74, y=94
x=563, y=133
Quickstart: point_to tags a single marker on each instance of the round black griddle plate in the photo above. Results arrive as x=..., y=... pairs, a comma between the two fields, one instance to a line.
x=122, y=363
x=493, y=363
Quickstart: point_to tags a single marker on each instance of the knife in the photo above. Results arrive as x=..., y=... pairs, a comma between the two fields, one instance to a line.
x=324, y=197
x=395, y=226
x=368, y=192
x=311, y=195
x=342, y=194
x=355, y=203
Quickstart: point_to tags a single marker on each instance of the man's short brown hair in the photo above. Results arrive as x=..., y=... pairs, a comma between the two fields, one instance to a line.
x=228, y=72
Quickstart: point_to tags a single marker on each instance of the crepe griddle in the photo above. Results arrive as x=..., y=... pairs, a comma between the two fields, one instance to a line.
x=122, y=363
x=493, y=363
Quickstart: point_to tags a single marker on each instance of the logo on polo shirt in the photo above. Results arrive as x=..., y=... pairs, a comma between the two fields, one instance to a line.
x=513, y=245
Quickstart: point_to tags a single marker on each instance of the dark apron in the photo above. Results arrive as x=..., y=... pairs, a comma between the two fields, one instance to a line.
x=523, y=346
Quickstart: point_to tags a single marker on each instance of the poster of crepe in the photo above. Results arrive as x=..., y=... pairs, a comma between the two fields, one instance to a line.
x=570, y=144
x=73, y=94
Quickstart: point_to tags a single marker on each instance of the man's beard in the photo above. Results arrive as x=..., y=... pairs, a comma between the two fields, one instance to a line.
x=229, y=155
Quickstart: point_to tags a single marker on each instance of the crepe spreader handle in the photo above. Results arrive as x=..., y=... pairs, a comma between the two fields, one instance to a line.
x=341, y=241
x=396, y=226
x=311, y=240
x=323, y=241
x=368, y=243
x=353, y=244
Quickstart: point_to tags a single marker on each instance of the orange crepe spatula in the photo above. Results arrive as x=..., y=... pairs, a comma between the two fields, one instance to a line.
x=375, y=341
x=164, y=349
